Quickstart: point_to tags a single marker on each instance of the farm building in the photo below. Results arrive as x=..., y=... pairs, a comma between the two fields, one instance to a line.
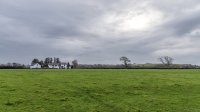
x=59, y=65
x=35, y=66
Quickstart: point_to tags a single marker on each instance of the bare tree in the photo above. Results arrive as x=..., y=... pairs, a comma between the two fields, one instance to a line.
x=166, y=60
x=125, y=61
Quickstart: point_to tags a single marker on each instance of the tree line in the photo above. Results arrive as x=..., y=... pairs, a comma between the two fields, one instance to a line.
x=13, y=66
x=166, y=62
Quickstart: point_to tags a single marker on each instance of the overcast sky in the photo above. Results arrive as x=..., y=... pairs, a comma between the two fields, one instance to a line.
x=100, y=31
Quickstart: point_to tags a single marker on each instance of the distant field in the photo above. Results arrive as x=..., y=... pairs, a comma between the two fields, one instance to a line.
x=99, y=90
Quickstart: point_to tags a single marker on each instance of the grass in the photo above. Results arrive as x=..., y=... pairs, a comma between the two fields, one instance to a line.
x=99, y=90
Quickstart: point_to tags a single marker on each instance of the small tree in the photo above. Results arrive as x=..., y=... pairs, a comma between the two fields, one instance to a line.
x=125, y=61
x=75, y=63
x=166, y=60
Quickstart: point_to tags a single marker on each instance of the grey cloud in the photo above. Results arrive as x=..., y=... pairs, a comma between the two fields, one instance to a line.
x=184, y=24
x=76, y=29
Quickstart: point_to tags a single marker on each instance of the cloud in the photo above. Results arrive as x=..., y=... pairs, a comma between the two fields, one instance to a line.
x=99, y=31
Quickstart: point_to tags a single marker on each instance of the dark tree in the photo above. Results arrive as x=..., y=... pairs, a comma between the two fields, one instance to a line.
x=68, y=65
x=166, y=60
x=34, y=61
x=57, y=60
x=125, y=61
x=75, y=63
x=42, y=63
x=48, y=61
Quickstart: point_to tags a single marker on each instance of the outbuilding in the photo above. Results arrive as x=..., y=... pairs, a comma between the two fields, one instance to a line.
x=35, y=66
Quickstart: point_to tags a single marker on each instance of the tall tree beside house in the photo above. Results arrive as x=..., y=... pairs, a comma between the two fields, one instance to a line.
x=48, y=61
x=68, y=65
x=51, y=60
x=34, y=61
x=125, y=61
x=42, y=63
x=57, y=60
x=75, y=63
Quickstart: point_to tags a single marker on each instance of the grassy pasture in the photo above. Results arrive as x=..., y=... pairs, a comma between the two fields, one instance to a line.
x=99, y=90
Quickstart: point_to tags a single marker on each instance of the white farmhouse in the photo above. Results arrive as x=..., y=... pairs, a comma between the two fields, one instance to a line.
x=63, y=65
x=54, y=65
x=35, y=66
x=58, y=65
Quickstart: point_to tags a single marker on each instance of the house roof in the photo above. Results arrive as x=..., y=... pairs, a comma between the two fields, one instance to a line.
x=54, y=64
x=35, y=64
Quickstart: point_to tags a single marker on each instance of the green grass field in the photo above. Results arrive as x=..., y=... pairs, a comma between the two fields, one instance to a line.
x=99, y=90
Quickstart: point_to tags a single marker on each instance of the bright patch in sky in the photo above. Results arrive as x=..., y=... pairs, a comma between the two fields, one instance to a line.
x=138, y=20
